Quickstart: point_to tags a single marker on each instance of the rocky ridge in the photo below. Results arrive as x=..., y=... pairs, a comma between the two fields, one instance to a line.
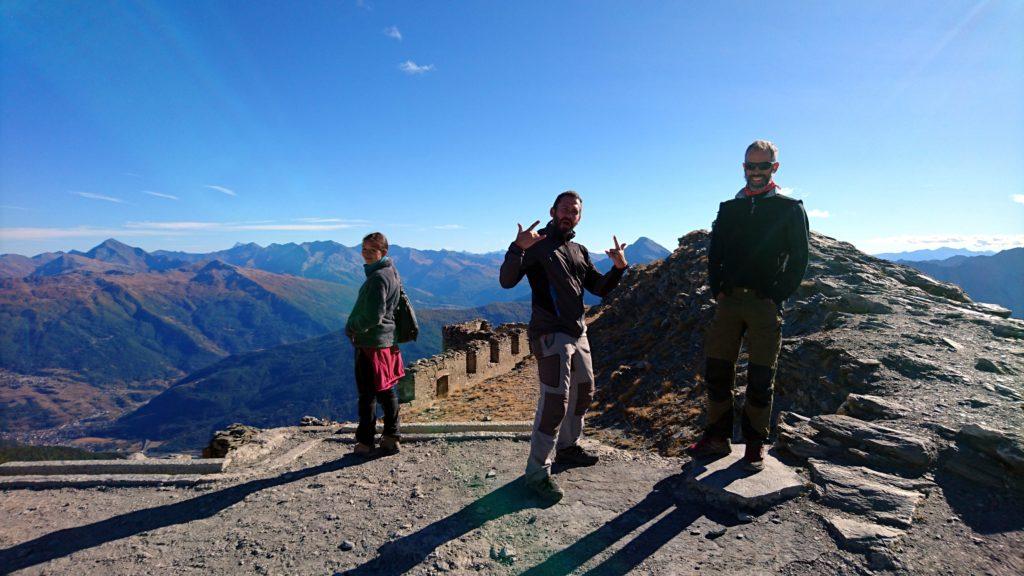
x=891, y=386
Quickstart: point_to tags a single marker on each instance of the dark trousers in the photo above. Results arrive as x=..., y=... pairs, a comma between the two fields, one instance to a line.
x=742, y=313
x=368, y=399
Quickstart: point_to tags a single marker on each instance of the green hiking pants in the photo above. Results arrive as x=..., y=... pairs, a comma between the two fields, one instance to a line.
x=742, y=313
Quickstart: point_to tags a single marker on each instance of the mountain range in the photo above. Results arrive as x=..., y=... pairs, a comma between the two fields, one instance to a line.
x=85, y=336
x=931, y=254
x=998, y=278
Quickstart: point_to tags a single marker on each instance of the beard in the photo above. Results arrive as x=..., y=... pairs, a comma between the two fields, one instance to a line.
x=758, y=181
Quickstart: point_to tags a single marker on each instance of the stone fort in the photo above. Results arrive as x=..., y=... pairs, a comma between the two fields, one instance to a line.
x=473, y=352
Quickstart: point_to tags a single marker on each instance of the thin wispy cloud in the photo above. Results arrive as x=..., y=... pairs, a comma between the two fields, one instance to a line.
x=412, y=68
x=393, y=32
x=331, y=221
x=975, y=242
x=160, y=195
x=7, y=207
x=169, y=228
x=1018, y=198
x=450, y=227
x=265, y=225
x=171, y=225
x=12, y=234
x=817, y=213
x=92, y=196
x=222, y=189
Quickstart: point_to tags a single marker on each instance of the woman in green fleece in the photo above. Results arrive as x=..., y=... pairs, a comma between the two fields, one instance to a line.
x=378, y=361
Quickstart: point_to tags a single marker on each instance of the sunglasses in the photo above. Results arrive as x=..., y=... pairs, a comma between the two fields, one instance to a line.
x=758, y=165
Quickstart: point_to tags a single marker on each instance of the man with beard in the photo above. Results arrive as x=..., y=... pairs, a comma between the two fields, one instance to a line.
x=757, y=258
x=558, y=270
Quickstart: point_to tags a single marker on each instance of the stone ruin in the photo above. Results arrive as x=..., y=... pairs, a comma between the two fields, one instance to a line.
x=473, y=352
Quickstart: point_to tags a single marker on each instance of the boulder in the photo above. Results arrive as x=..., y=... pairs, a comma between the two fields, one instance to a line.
x=232, y=438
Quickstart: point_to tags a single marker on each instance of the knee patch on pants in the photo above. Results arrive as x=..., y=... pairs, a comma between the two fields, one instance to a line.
x=552, y=412
x=719, y=375
x=584, y=395
x=760, y=381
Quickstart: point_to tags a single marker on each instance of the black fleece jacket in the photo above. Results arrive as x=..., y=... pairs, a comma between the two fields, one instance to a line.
x=558, y=270
x=759, y=242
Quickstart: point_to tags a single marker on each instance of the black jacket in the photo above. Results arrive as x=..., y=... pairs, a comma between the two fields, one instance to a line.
x=558, y=270
x=759, y=242
x=372, y=321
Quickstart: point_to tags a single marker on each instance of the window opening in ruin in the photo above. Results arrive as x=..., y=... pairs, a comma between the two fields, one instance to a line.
x=471, y=362
x=495, y=352
x=442, y=387
x=515, y=344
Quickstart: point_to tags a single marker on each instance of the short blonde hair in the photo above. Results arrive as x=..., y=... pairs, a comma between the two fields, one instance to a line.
x=765, y=146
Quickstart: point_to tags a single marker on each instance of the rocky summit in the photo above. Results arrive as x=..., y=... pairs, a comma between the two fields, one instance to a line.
x=889, y=384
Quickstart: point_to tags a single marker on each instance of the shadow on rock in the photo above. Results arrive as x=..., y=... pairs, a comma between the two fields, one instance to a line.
x=399, y=556
x=68, y=541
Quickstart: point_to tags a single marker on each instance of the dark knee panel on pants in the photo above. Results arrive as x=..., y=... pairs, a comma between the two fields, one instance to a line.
x=760, y=380
x=719, y=375
x=584, y=395
x=552, y=412
x=550, y=369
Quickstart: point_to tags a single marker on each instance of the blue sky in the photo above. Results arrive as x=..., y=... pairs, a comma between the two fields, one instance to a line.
x=196, y=125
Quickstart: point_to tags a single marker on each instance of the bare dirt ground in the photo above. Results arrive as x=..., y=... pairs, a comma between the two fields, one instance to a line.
x=455, y=508
x=509, y=397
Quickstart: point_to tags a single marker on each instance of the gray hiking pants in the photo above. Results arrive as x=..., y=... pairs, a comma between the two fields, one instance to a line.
x=566, y=390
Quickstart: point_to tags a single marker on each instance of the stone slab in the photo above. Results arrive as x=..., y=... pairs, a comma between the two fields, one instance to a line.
x=861, y=491
x=725, y=482
x=107, y=480
x=450, y=427
x=82, y=467
x=858, y=536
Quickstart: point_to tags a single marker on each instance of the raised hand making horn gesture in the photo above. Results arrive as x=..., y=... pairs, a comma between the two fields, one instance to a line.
x=617, y=254
x=527, y=238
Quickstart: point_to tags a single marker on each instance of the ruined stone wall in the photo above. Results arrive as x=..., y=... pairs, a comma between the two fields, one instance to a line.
x=473, y=352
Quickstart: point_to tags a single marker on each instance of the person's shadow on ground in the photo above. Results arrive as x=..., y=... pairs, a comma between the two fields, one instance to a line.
x=659, y=501
x=401, y=555
x=68, y=541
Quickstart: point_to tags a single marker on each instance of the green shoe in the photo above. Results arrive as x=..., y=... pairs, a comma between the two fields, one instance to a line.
x=546, y=489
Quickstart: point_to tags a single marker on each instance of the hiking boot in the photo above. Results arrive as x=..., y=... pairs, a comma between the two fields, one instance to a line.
x=709, y=448
x=575, y=455
x=389, y=445
x=753, y=457
x=546, y=489
x=361, y=449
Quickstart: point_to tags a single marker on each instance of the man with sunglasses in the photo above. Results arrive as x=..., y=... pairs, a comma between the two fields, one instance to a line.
x=757, y=258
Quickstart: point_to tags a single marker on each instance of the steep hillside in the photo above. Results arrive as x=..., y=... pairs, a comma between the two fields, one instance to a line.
x=81, y=345
x=277, y=386
x=266, y=388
